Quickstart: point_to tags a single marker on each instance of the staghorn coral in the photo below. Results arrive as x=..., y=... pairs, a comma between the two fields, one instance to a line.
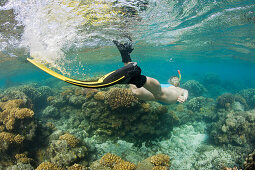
x=120, y=97
x=124, y=165
x=47, y=166
x=77, y=167
x=110, y=160
x=160, y=160
x=71, y=140
x=249, y=162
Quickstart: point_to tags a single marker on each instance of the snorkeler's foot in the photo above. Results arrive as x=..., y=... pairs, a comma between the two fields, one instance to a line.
x=125, y=50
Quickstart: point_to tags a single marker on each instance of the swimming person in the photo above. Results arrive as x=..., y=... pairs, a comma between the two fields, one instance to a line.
x=147, y=88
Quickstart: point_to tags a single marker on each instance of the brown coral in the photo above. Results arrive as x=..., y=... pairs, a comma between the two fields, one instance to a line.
x=7, y=137
x=71, y=140
x=23, y=113
x=19, y=139
x=47, y=166
x=99, y=95
x=146, y=107
x=77, y=167
x=124, y=165
x=110, y=160
x=23, y=158
x=160, y=168
x=249, y=162
x=11, y=111
x=160, y=160
x=120, y=97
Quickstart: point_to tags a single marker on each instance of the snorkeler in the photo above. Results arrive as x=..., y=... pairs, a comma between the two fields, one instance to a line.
x=147, y=88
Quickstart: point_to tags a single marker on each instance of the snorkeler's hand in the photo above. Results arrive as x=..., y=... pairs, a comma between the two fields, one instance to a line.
x=183, y=97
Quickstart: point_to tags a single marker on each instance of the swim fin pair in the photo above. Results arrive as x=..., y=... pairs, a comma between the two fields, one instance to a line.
x=129, y=74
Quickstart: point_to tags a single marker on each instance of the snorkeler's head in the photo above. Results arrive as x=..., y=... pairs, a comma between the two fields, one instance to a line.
x=174, y=80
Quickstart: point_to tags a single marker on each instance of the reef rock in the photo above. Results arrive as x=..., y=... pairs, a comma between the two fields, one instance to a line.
x=235, y=128
x=122, y=114
x=195, y=88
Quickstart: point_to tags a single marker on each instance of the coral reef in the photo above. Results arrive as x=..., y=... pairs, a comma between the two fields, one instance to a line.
x=110, y=160
x=77, y=167
x=120, y=98
x=195, y=88
x=160, y=160
x=71, y=140
x=47, y=166
x=249, y=162
x=63, y=150
x=249, y=96
x=234, y=128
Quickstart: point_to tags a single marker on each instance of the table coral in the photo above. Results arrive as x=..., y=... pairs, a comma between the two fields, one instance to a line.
x=110, y=160
x=47, y=166
x=120, y=97
x=160, y=160
x=71, y=140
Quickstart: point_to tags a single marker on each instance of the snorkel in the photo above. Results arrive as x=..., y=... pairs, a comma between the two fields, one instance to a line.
x=180, y=76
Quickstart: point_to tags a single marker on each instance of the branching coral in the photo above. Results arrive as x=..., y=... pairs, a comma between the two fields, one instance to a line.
x=71, y=140
x=120, y=97
x=47, y=166
x=160, y=160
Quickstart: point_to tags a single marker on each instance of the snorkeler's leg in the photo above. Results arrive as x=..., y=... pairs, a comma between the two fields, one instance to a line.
x=153, y=86
x=142, y=93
